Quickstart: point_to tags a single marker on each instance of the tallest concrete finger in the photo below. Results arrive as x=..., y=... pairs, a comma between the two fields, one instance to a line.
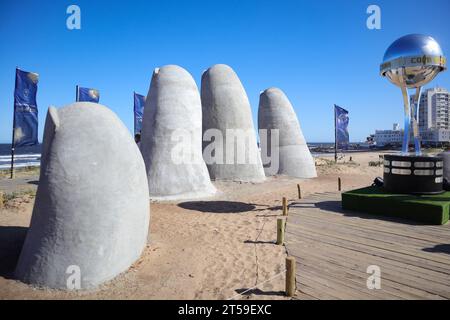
x=230, y=147
x=172, y=137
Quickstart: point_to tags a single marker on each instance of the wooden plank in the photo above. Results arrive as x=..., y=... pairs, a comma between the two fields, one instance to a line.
x=375, y=233
x=313, y=289
x=299, y=295
x=317, y=288
x=374, y=246
x=393, y=283
x=342, y=255
x=333, y=249
x=334, y=210
x=372, y=239
x=343, y=282
x=347, y=284
x=337, y=209
x=354, y=225
x=420, y=262
x=370, y=224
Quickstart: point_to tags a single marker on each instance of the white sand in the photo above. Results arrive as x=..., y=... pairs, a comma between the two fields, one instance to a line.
x=196, y=252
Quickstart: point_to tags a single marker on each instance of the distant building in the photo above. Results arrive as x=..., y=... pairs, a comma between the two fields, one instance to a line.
x=434, y=121
x=434, y=113
x=435, y=136
x=389, y=137
x=434, y=109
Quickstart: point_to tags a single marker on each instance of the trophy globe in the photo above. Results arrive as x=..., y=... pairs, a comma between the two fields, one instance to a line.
x=411, y=62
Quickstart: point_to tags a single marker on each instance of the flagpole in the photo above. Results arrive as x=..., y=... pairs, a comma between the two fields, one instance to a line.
x=13, y=129
x=335, y=135
x=12, y=144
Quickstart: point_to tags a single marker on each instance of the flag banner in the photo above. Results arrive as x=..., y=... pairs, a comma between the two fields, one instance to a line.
x=139, y=103
x=88, y=95
x=342, y=136
x=25, y=109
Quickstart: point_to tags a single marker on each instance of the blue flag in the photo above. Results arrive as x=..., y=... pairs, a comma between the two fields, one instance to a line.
x=342, y=136
x=88, y=95
x=139, y=103
x=25, y=109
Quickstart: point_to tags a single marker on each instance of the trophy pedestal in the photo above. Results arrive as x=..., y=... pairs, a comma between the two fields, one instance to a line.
x=411, y=174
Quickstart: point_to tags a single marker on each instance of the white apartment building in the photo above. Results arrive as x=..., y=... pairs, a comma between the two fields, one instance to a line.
x=434, y=115
x=435, y=135
x=434, y=109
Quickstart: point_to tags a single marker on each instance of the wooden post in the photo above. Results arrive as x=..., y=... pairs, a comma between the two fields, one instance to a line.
x=290, y=276
x=339, y=184
x=285, y=207
x=280, y=231
x=299, y=191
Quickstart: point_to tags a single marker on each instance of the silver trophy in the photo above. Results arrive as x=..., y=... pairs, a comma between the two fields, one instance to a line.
x=411, y=62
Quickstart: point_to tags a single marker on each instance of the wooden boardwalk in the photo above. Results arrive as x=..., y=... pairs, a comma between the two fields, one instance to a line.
x=333, y=249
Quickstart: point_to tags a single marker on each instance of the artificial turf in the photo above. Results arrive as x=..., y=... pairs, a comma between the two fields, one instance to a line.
x=429, y=209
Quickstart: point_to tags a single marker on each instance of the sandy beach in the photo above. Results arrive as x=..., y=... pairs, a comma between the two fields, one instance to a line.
x=215, y=248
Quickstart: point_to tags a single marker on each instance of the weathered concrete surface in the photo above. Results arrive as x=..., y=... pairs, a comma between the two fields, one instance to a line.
x=226, y=107
x=92, y=209
x=276, y=112
x=172, y=126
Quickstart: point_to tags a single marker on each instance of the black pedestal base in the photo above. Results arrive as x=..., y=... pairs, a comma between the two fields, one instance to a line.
x=411, y=174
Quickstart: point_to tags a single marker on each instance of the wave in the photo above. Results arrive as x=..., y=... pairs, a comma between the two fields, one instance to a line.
x=20, y=165
x=20, y=161
x=21, y=156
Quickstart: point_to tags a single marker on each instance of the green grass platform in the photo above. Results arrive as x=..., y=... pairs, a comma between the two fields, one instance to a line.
x=429, y=209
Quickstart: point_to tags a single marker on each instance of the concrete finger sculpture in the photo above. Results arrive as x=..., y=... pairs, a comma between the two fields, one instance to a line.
x=91, y=215
x=172, y=137
x=276, y=112
x=230, y=148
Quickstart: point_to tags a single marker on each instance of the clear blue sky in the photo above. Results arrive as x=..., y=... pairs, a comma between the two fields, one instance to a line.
x=318, y=52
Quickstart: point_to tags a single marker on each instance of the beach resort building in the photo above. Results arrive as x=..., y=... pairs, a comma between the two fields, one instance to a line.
x=389, y=137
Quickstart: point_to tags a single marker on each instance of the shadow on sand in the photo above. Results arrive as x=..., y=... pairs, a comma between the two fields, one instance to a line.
x=11, y=242
x=228, y=207
x=217, y=206
x=259, y=242
x=259, y=292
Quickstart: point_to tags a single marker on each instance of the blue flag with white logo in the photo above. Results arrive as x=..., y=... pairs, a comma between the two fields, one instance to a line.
x=25, y=109
x=342, y=136
x=139, y=103
x=88, y=95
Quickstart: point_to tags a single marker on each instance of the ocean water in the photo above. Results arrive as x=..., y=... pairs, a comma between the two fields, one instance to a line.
x=23, y=157
x=31, y=156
